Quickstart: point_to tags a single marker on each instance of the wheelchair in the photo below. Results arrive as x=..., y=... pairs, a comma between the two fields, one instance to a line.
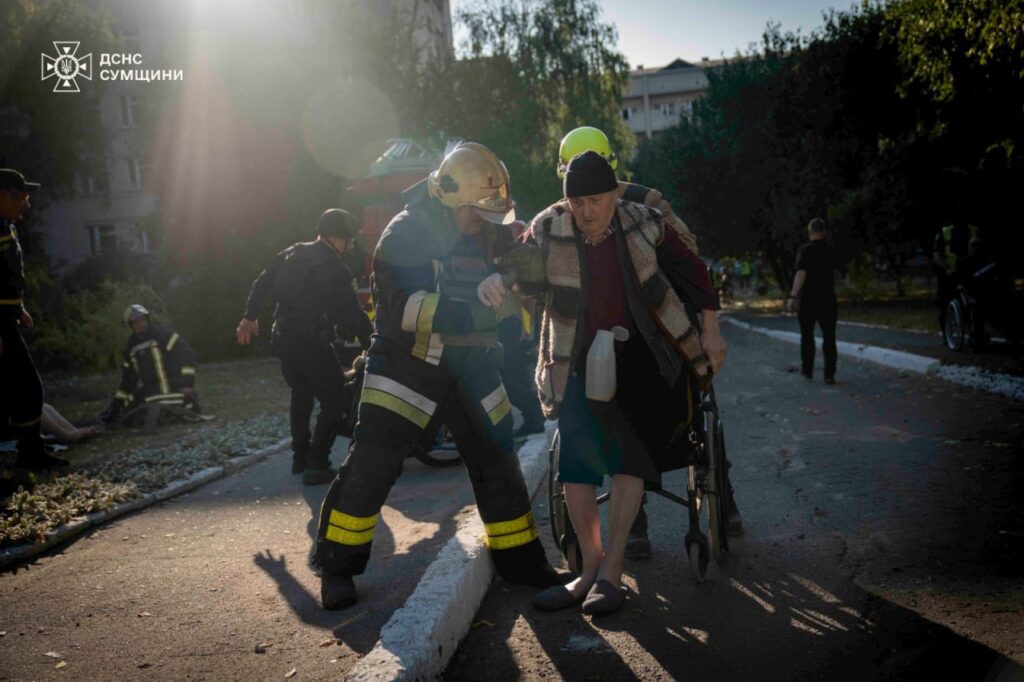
x=707, y=490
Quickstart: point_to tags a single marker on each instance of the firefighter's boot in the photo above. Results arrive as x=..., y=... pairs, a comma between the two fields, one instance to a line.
x=337, y=592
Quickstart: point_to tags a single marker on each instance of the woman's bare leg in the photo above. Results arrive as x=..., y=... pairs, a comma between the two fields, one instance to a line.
x=626, y=493
x=579, y=498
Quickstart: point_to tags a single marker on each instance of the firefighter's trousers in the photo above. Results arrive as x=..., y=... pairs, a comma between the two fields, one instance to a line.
x=403, y=399
x=21, y=396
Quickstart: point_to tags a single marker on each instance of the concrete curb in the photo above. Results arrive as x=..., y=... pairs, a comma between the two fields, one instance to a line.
x=421, y=637
x=78, y=526
x=974, y=377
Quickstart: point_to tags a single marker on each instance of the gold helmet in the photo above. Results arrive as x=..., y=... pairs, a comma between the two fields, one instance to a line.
x=471, y=175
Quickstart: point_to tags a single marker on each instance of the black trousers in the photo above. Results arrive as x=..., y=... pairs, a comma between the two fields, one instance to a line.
x=824, y=315
x=313, y=374
x=21, y=395
x=402, y=399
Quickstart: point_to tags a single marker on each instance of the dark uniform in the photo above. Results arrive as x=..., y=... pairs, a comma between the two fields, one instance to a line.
x=817, y=305
x=156, y=367
x=21, y=397
x=315, y=306
x=435, y=359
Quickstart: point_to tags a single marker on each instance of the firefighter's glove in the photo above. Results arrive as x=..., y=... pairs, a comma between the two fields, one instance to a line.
x=524, y=266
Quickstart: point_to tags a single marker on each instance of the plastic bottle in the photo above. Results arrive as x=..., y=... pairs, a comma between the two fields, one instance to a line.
x=601, y=368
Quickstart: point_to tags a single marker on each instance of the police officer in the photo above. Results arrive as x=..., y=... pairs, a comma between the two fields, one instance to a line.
x=315, y=306
x=590, y=139
x=435, y=359
x=157, y=366
x=21, y=395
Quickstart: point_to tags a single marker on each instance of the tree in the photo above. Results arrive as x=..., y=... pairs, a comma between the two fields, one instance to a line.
x=531, y=71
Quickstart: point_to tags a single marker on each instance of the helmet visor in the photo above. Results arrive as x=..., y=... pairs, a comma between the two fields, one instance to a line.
x=497, y=207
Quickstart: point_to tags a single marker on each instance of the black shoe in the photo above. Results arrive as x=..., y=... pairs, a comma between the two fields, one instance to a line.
x=638, y=547
x=313, y=476
x=40, y=461
x=541, y=576
x=337, y=592
x=830, y=380
x=298, y=466
x=806, y=376
x=528, y=428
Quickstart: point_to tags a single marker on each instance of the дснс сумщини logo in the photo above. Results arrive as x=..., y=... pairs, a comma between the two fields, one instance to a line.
x=67, y=66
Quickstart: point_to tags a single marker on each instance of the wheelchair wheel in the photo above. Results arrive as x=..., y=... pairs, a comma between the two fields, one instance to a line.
x=717, y=497
x=956, y=324
x=698, y=554
x=562, y=531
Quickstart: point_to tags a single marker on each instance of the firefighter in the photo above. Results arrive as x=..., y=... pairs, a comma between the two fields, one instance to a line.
x=435, y=359
x=316, y=306
x=585, y=139
x=21, y=398
x=157, y=366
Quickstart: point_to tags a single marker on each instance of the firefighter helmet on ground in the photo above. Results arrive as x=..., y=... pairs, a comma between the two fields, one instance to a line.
x=134, y=312
x=471, y=175
x=584, y=139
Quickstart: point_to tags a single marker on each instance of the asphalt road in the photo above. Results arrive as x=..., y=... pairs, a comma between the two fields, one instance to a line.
x=192, y=588
x=884, y=540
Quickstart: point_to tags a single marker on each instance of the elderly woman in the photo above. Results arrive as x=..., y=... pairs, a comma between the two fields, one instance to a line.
x=613, y=263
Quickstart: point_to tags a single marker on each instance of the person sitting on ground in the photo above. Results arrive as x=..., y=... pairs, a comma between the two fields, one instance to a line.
x=158, y=366
x=612, y=263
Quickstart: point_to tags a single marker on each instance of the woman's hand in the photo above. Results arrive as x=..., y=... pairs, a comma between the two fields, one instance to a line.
x=711, y=340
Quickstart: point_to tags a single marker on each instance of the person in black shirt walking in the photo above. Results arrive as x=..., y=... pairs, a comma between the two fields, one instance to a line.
x=814, y=296
x=316, y=306
x=21, y=390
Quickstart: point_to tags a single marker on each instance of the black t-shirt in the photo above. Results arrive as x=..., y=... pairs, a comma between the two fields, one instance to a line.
x=818, y=259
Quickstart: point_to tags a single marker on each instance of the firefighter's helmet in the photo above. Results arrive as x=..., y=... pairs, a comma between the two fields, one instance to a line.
x=134, y=312
x=471, y=175
x=584, y=139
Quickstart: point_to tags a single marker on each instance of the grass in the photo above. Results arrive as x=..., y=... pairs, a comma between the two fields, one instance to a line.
x=913, y=311
x=249, y=398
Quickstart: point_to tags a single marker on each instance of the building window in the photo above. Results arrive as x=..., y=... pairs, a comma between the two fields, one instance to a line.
x=136, y=173
x=667, y=108
x=131, y=108
x=102, y=239
x=687, y=108
x=628, y=113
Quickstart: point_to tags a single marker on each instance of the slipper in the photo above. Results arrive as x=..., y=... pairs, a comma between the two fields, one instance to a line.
x=555, y=599
x=604, y=598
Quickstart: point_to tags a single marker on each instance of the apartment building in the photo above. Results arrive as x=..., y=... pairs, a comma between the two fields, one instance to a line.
x=111, y=206
x=660, y=97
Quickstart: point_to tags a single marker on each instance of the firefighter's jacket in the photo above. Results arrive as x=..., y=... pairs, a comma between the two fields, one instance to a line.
x=12, y=272
x=157, y=366
x=425, y=274
x=313, y=291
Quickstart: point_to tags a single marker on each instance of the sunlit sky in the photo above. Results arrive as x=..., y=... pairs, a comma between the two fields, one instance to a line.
x=654, y=32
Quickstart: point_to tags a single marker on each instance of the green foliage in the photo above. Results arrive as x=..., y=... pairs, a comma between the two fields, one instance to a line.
x=864, y=123
x=862, y=281
x=531, y=72
x=40, y=133
x=86, y=332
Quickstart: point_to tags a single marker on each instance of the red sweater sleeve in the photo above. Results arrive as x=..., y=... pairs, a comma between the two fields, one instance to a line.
x=687, y=273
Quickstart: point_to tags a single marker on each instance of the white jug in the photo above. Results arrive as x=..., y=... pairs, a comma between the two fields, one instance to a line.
x=601, y=363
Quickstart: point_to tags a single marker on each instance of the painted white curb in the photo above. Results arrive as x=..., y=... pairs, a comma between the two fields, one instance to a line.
x=975, y=377
x=421, y=637
x=81, y=524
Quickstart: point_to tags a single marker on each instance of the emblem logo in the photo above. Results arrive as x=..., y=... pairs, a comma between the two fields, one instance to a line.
x=67, y=66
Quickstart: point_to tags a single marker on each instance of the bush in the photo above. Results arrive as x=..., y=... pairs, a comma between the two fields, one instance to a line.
x=862, y=280
x=86, y=332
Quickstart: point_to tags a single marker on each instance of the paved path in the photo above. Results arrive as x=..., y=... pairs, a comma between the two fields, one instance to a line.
x=885, y=539
x=997, y=357
x=190, y=588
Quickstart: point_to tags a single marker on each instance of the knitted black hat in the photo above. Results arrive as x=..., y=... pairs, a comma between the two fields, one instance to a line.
x=588, y=173
x=336, y=222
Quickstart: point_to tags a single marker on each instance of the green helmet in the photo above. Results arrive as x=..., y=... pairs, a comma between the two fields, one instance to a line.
x=584, y=139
